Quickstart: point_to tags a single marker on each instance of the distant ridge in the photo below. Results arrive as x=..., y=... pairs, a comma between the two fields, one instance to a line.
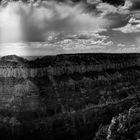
x=70, y=59
x=13, y=58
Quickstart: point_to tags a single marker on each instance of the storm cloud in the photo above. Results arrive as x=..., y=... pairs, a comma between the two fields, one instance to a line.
x=37, y=22
x=69, y=26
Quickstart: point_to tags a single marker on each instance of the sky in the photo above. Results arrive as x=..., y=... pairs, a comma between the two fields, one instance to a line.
x=54, y=27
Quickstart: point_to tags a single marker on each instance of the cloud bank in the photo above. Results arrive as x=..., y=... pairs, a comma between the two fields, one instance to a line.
x=70, y=26
x=22, y=22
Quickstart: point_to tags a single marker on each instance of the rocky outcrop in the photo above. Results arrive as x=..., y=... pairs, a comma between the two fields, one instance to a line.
x=124, y=126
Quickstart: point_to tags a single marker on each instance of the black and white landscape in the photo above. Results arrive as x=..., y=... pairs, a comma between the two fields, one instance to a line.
x=70, y=70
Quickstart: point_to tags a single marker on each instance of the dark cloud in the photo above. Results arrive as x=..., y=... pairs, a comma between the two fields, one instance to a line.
x=118, y=16
x=118, y=20
x=135, y=5
x=115, y=2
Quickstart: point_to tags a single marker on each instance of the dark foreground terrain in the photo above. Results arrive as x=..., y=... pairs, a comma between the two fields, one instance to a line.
x=70, y=97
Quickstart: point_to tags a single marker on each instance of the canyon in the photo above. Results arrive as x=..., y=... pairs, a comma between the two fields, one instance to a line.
x=66, y=94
